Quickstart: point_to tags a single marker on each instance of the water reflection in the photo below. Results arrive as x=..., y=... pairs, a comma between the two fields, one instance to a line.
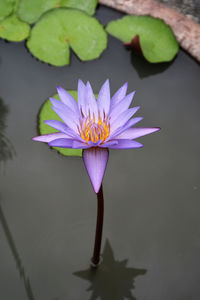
x=144, y=68
x=16, y=256
x=6, y=148
x=113, y=280
x=6, y=153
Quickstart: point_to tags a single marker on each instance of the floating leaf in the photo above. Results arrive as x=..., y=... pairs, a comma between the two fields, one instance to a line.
x=62, y=28
x=155, y=38
x=16, y=6
x=13, y=29
x=47, y=113
x=6, y=8
x=31, y=10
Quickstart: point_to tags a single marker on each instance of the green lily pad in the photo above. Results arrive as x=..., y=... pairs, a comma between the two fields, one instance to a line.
x=16, y=6
x=13, y=29
x=6, y=8
x=47, y=113
x=60, y=29
x=31, y=10
x=157, y=40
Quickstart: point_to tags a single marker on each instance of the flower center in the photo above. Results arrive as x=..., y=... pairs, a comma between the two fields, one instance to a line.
x=92, y=131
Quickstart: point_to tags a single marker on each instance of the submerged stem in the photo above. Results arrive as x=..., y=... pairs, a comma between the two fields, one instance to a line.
x=99, y=228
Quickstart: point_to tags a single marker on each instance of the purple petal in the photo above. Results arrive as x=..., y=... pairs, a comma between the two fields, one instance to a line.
x=103, y=99
x=57, y=103
x=121, y=106
x=108, y=144
x=46, y=138
x=126, y=144
x=134, y=133
x=129, y=124
x=95, y=160
x=66, y=109
x=119, y=95
x=79, y=145
x=121, y=129
x=132, y=122
x=57, y=125
x=63, y=128
x=62, y=143
x=90, y=102
x=122, y=119
x=67, y=99
x=81, y=96
x=68, y=116
x=92, y=144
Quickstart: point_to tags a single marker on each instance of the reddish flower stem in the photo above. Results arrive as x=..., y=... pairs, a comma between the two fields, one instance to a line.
x=99, y=228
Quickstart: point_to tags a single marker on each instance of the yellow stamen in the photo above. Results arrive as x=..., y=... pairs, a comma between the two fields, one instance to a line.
x=90, y=131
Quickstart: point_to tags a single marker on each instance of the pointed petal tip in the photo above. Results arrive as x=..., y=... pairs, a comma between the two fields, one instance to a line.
x=137, y=119
x=89, y=87
x=60, y=88
x=107, y=81
x=61, y=142
x=46, y=138
x=124, y=87
x=155, y=129
x=95, y=160
x=80, y=82
x=137, y=107
x=96, y=189
x=39, y=138
x=103, y=99
x=46, y=122
x=133, y=92
x=52, y=101
x=126, y=144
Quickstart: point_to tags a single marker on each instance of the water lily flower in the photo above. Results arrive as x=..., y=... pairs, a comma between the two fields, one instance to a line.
x=95, y=126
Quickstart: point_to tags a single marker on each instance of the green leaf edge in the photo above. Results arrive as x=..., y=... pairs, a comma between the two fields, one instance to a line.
x=61, y=6
x=12, y=8
x=22, y=23
x=45, y=129
x=175, y=40
x=69, y=46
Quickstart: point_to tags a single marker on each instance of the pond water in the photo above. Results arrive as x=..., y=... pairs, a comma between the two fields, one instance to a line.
x=151, y=238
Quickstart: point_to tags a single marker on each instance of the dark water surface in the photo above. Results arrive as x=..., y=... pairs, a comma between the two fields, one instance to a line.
x=151, y=242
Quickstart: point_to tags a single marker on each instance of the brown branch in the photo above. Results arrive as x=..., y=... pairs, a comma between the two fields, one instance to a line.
x=187, y=31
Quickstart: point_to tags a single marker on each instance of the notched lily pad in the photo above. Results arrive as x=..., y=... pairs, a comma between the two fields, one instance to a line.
x=155, y=39
x=60, y=29
x=31, y=10
x=47, y=113
x=13, y=29
x=6, y=8
x=135, y=44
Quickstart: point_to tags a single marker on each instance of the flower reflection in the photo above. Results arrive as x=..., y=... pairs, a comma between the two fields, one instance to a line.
x=16, y=255
x=113, y=279
x=6, y=148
